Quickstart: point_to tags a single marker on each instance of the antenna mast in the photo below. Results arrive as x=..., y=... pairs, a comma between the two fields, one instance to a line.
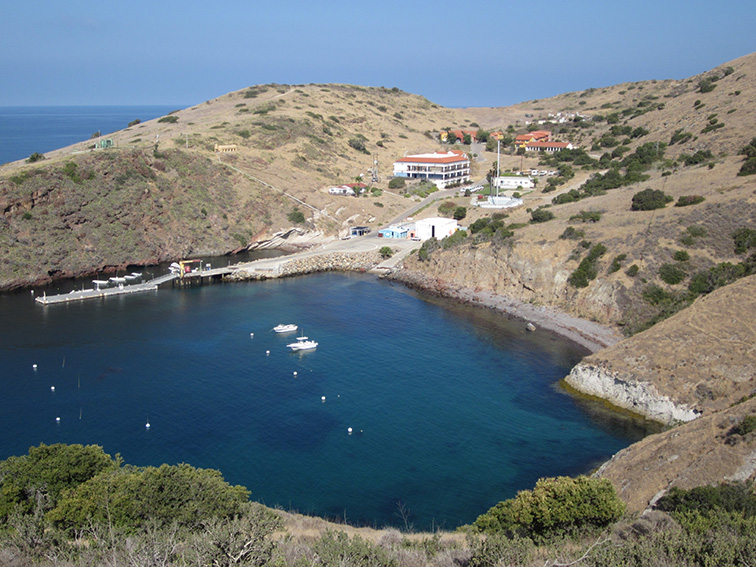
x=374, y=171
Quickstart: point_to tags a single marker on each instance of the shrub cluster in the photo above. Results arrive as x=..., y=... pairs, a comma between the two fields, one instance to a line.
x=555, y=507
x=686, y=200
x=650, y=199
x=587, y=270
x=541, y=214
x=749, y=165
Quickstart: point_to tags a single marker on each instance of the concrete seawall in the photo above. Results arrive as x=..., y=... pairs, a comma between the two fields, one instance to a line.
x=310, y=264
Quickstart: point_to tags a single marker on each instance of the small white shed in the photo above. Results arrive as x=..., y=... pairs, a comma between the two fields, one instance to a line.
x=435, y=227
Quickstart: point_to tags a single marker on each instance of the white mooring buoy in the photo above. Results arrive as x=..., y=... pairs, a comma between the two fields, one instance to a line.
x=349, y=431
x=52, y=388
x=295, y=373
x=147, y=425
x=34, y=366
x=322, y=398
x=57, y=419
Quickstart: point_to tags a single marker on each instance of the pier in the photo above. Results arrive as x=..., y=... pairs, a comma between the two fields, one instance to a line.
x=188, y=278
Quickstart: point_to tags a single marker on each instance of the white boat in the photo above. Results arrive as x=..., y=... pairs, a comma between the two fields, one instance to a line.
x=285, y=328
x=303, y=343
x=100, y=284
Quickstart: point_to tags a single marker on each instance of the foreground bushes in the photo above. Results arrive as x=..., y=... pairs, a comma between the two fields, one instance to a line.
x=555, y=507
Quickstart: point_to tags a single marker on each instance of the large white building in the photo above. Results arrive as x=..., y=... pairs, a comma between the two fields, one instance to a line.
x=440, y=168
x=435, y=227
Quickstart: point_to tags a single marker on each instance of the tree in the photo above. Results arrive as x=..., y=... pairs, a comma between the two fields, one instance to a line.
x=466, y=139
x=36, y=156
x=650, y=199
x=459, y=213
x=48, y=470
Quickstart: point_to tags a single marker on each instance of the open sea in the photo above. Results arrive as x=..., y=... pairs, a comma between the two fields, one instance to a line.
x=452, y=408
x=28, y=129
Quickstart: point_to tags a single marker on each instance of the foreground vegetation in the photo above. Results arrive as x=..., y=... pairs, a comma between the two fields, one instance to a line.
x=75, y=505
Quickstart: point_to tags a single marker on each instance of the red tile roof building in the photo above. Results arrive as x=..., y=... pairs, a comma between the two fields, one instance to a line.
x=538, y=136
x=549, y=147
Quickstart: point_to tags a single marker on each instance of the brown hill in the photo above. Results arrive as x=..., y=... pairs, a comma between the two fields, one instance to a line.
x=163, y=192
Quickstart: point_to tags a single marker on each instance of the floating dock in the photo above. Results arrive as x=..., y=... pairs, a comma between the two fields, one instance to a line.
x=187, y=278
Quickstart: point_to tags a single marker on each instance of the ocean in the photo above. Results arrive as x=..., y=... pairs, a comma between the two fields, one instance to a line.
x=452, y=408
x=28, y=129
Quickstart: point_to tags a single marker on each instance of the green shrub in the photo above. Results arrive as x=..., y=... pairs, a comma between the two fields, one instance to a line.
x=681, y=256
x=27, y=215
x=386, y=252
x=671, y=274
x=680, y=137
x=459, y=213
x=454, y=238
x=169, y=119
x=571, y=233
x=632, y=271
x=697, y=231
x=447, y=208
x=707, y=500
x=718, y=276
x=650, y=199
x=745, y=426
x=541, y=215
x=296, y=216
x=397, y=183
x=744, y=238
x=617, y=263
x=706, y=85
x=134, y=497
x=358, y=144
x=555, y=507
x=134, y=122
x=36, y=156
x=587, y=216
x=48, y=470
x=748, y=167
x=587, y=270
x=686, y=200
x=700, y=156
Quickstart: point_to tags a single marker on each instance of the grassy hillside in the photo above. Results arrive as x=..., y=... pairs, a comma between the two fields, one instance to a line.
x=669, y=136
x=163, y=193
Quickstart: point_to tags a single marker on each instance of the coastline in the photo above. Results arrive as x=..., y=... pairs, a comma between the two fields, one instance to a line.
x=591, y=336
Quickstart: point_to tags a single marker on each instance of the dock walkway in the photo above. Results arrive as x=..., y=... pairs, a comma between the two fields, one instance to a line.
x=80, y=295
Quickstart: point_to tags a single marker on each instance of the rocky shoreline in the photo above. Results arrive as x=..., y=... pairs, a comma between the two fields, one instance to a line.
x=592, y=336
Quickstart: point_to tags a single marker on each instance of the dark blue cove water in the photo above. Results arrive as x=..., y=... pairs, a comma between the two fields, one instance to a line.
x=452, y=408
x=28, y=129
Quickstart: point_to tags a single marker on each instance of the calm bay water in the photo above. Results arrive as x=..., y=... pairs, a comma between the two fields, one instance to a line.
x=453, y=408
x=28, y=129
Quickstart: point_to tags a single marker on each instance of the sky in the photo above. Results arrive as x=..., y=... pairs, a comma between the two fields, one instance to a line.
x=456, y=54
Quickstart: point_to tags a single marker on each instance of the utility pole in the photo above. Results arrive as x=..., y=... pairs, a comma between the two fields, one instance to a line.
x=498, y=164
